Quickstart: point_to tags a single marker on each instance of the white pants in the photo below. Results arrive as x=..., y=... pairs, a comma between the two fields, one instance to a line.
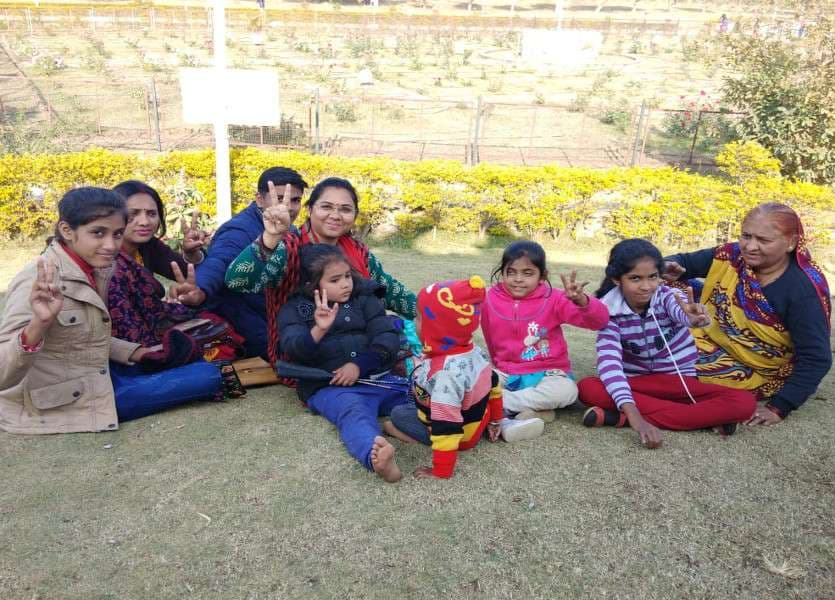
x=556, y=390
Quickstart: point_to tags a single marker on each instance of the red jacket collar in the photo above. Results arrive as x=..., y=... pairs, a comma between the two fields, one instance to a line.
x=82, y=264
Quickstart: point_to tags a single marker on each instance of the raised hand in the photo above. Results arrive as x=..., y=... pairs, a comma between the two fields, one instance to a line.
x=696, y=313
x=185, y=290
x=573, y=290
x=45, y=298
x=194, y=238
x=672, y=270
x=324, y=315
x=276, y=215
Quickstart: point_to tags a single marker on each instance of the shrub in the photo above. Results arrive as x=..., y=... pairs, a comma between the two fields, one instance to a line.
x=671, y=207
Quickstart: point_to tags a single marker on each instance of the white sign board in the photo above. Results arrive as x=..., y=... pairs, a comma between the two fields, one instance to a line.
x=241, y=96
x=565, y=48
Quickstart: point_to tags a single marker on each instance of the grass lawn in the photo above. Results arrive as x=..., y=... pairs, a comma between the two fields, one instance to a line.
x=256, y=498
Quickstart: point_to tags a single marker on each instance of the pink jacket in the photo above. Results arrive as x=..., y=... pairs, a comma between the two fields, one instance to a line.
x=525, y=336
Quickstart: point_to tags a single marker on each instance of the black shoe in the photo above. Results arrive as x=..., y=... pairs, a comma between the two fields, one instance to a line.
x=598, y=417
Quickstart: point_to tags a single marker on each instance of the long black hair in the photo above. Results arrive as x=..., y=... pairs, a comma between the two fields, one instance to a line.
x=314, y=259
x=86, y=204
x=132, y=186
x=333, y=182
x=623, y=257
x=522, y=249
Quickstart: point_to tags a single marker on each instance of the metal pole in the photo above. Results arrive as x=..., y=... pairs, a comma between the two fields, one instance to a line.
x=317, y=144
x=223, y=180
x=638, y=128
x=474, y=158
x=155, y=102
x=695, y=135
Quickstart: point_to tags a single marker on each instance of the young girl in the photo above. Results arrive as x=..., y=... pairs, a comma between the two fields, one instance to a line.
x=646, y=355
x=353, y=338
x=55, y=335
x=521, y=320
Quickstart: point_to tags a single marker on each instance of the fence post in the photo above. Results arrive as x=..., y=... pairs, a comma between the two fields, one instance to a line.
x=638, y=129
x=695, y=135
x=474, y=148
x=155, y=104
x=317, y=147
x=29, y=19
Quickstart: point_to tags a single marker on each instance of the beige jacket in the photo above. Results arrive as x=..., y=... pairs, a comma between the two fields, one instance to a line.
x=65, y=386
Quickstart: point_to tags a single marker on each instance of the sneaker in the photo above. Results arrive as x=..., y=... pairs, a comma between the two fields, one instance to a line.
x=514, y=430
x=548, y=416
x=598, y=417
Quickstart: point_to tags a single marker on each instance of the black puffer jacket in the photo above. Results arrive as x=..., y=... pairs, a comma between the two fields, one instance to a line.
x=362, y=334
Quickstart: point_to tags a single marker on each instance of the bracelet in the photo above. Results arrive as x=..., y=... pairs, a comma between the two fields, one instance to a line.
x=495, y=422
x=29, y=348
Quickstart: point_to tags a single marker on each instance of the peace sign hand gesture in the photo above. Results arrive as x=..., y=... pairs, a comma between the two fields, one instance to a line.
x=45, y=298
x=185, y=290
x=194, y=238
x=696, y=313
x=276, y=216
x=573, y=290
x=324, y=315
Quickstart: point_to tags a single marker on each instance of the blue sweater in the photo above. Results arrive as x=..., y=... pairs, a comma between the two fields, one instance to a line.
x=246, y=312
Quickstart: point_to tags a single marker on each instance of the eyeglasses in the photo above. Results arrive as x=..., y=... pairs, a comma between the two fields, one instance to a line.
x=343, y=210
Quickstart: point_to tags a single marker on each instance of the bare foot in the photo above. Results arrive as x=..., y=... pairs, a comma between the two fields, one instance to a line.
x=382, y=459
x=390, y=429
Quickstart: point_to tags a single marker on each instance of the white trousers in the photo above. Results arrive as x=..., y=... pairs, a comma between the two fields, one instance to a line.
x=556, y=390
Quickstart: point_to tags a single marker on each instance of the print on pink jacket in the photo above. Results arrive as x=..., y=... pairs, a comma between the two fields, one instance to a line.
x=525, y=336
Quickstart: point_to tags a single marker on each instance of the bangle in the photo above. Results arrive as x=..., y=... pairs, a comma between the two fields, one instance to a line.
x=495, y=422
x=27, y=347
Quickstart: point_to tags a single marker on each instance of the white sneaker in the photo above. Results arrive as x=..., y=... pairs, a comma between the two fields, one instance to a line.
x=514, y=430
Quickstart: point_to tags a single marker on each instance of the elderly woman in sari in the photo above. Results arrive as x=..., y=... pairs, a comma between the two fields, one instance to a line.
x=770, y=312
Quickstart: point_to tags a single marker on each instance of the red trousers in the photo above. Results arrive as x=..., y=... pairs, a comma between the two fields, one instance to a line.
x=662, y=401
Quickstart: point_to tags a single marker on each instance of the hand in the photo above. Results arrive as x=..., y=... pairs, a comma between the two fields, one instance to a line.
x=45, y=299
x=276, y=216
x=672, y=270
x=764, y=416
x=573, y=290
x=137, y=354
x=650, y=435
x=696, y=313
x=346, y=375
x=424, y=473
x=194, y=238
x=185, y=290
x=324, y=315
x=494, y=430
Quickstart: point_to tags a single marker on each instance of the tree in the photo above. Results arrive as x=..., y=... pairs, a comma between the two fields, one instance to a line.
x=785, y=86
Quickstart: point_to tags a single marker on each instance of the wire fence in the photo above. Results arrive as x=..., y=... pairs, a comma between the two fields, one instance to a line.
x=110, y=109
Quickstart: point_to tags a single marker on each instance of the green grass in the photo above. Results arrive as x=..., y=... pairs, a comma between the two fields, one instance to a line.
x=256, y=498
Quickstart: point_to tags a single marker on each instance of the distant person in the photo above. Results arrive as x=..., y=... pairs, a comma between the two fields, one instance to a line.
x=522, y=319
x=55, y=335
x=723, y=24
x=271, y=263
x=770, y=312
x=247, y=312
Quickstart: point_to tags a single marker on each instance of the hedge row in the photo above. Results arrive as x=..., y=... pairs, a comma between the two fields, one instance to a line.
x=671, y=207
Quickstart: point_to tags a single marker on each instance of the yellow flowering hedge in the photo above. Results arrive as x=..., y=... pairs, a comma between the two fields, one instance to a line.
x=668, y=206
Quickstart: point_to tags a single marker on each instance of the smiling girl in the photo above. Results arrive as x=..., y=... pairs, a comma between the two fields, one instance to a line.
x=55, y=335
x=646, y=356
x=522, y=323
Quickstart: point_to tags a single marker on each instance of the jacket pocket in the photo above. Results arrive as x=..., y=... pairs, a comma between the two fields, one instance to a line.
x=73, y=317
x=58, y=394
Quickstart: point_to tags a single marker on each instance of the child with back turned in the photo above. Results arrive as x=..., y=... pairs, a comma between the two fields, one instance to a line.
x=457, y=394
